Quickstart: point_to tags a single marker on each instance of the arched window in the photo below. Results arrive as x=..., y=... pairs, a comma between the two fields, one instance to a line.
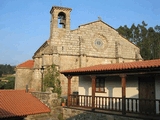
x=61, y=20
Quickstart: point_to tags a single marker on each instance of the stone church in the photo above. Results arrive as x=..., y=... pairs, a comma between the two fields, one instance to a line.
x=90, y=44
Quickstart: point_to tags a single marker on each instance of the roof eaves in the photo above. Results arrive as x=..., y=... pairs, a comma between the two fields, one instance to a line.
x=117, y=67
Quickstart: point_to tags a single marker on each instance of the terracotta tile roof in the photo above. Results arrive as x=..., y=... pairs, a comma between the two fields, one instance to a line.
x=116, y=67
x=15, y=103
x=26, y=64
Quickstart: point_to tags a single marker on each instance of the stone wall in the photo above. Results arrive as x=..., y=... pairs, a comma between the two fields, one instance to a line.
x=51, y=100
x=23, y=78
x=90, y=44
x=73, y=114
x=78, y=48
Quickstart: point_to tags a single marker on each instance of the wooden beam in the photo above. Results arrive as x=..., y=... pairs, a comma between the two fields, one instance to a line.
x=69, y=90
x=123, y=82
x=93, y=91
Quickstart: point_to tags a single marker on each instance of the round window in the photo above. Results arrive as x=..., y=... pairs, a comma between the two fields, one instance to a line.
x=98, y=43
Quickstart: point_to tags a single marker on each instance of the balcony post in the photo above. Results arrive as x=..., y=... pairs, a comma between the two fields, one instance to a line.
x=123, y=83
x=93, y=91
x=69, y=90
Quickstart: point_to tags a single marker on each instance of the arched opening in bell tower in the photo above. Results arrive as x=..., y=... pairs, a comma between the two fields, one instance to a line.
x=61, y=20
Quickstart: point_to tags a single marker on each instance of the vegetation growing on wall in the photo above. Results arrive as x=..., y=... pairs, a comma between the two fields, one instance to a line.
x=51, y=79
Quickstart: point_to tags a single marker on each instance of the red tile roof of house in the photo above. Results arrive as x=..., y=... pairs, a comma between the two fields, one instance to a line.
x=15, y=103
x=26, y=64
x=116, y=67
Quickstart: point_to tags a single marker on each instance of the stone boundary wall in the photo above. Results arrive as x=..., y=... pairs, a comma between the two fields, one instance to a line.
x=73, y=114
x=52, y=101
x=48, y=98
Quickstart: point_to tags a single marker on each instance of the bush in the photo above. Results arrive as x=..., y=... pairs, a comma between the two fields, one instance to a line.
x=51, y=79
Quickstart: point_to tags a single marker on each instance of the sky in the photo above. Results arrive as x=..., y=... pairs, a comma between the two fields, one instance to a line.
x=25, y=24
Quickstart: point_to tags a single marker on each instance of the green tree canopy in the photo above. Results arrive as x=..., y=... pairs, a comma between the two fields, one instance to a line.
x=8, y=85
x=7, y=69
x=146, y=38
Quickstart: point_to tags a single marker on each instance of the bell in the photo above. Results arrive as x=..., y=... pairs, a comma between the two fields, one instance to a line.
x=62, y=21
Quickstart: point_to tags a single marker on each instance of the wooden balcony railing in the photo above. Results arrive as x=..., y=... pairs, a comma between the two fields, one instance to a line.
x=133, y=105
x=143, y=106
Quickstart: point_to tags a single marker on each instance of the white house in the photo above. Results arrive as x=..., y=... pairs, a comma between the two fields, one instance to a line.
x=131, y=87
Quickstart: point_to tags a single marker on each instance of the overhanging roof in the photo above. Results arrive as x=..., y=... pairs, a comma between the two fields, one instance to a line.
x=128, y=67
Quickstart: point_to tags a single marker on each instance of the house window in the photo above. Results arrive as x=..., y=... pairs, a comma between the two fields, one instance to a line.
x=100, y=84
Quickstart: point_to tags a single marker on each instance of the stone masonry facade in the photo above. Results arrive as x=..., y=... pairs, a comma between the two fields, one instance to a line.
x=90, y=44
x=24, y=77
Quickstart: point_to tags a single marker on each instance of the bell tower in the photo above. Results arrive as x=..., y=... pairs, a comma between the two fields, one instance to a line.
x=60, y=20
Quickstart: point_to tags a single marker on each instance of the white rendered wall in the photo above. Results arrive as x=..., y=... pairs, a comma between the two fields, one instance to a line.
x=85, y=85
x=112, y=87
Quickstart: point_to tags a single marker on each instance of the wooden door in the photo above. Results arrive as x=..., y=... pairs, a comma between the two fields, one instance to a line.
x=147, y=91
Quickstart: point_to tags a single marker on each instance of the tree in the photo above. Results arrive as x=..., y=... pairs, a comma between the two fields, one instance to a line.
x=51, y=79
x=124, y=31
x=147, y=39
x=2, y=84
x=8, y=85
x=1, y=73
x=7, y=69
x=157, y=41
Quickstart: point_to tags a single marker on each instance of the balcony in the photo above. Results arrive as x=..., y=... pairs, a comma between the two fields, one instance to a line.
x=145, y=108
